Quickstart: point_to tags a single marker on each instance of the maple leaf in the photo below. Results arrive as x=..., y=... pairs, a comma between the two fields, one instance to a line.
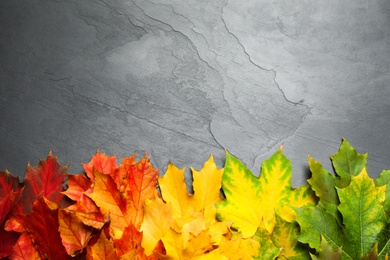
x=101, y=163
x=103, y=249
x=124, y=205
x=285, y=237
x=327, y=252
x=43, y=226
x=363, y=214
x=87, y=211
x=77, y=184
x=384, y=179
x=250, y=199
x=347, y=162
x=84, y=208
x=129, y=245
x=260, y=246
x=360, y=202
x=74, y=234
x=187, y=217
x=324, y=185
x=10, y=190
x=24, y=249
x=47, y=180
x=157, y=222
x=7, y=242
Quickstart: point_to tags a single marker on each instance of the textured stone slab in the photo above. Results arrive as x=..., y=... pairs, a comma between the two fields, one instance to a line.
x=183, y=79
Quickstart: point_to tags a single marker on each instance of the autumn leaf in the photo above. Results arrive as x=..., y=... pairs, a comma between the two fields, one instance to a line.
x=74, y=233
x=324, y=185
x=77, y=184
x=43, y=226
x=363, y=214
x=84, y=208
x=185, y=218
x=384, y=179
x=285, y=237
x=24, y=249
x=7, y=242
x=317, y=222
x=103, y=249
x=10, y=190
x=46, y=179
x=347, y=162
x=157, y=222
x=250, y=199
x=327, y=252
x=364, y=222
x=129, y=245
x=124, y=205
x=101, y=163
x=87, y=211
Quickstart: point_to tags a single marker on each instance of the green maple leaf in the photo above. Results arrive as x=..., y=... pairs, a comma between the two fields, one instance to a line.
x=361, y=230
x=327, y=252
x=316, y=222
x=361, y=204
x=324, y=185
x=384, y=179
x=347, y=162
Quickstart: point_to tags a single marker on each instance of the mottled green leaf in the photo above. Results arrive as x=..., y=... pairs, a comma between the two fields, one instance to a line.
x=285, y=236
x=384, y=179
x=348, y=162
x=327, y=252
x=324, y=183
x=267, y=248
x=384, y=242
x=316, y=222
x=363, y=214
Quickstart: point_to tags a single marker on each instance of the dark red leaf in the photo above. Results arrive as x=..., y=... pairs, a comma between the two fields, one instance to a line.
x=10, y=190
x=7, y=242
x=43, y=226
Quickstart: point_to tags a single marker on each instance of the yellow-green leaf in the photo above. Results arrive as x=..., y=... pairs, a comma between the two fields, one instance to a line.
x=384, y=179
x=361, y=204
x=249, y=200
x=317, y=222
x=324, y=185
x=285, y=237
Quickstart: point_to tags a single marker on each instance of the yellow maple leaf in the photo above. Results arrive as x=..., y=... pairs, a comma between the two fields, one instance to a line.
x=185, y=219
x=249, y=200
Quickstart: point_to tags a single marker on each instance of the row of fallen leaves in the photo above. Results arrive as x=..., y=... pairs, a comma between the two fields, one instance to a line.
x=118, y=212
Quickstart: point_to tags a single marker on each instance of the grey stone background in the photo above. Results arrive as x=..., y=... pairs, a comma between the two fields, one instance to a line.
x=183, y=79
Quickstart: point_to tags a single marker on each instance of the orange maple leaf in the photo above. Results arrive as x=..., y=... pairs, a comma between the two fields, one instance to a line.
x=123, y=200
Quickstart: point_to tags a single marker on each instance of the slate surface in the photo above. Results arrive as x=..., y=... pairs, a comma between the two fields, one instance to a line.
x=183, y=79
